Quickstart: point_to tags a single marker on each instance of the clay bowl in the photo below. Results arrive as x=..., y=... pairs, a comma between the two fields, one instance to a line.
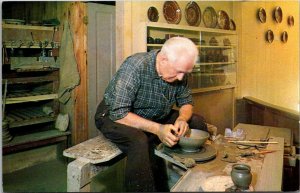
x=193, y=141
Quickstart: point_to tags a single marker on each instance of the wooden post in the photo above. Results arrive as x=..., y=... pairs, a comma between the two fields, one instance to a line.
x=77, y=12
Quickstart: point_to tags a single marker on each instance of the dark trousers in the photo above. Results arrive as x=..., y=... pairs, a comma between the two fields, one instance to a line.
x=144, y=171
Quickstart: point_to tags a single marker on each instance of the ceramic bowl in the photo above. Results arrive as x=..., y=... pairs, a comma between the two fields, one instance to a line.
x=193, y=141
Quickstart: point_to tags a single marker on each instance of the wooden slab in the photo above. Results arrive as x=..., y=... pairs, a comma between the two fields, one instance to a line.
x=270, y=178
x=259, y=131
x=97, y=150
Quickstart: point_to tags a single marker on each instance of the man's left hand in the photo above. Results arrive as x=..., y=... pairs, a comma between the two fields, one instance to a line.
x=182, y=126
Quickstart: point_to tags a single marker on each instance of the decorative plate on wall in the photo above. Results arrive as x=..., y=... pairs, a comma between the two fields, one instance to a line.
x=269, y=36
x=277, y=14
x=261, y=15
x=284, y=37
x=210, y=18
x=193, y=13
x=223, y=20
x=290, y=20
x=232, y=25
x=172, y=12
x=153, y=14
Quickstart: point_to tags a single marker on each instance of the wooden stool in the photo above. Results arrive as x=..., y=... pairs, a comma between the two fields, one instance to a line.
x=88, y=155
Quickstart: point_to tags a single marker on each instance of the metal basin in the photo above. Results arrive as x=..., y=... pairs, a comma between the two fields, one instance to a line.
x=194, y=141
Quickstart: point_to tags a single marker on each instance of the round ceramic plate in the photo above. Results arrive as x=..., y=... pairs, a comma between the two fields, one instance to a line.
x=284, y=37
x=290, y=20
x=277, y=14
x=232, y=25
x=193, y=13
x=172, y=12
x=210, y=17
x=223, y=20
x=261, y=15
x=269, y=36
x=153, y=14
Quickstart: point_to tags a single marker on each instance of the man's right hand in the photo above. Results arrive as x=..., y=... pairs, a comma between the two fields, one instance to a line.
x=168, y=134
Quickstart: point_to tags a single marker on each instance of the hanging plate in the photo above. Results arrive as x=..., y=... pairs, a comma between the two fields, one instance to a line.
x=284, y=37
x=270, y=36
x=290, y=20
x=277, y=14
x=261, y=15
x=172, y=12
x=193, y=13
x=232, y=25
x=223, y=20
x=210, y=17
x=153, y=14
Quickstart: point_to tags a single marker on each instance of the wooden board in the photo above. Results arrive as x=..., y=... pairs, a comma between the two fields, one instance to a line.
x=260, y=132
x=95, y=150
x=270, y=178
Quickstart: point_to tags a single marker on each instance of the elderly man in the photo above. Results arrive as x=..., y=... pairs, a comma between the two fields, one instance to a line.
x=136, y=113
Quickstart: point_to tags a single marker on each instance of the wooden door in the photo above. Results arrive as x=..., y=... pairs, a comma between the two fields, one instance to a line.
x=101, y=56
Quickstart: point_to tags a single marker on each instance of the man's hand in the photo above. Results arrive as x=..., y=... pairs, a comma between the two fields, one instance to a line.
x=182, y=126
x=168, y=134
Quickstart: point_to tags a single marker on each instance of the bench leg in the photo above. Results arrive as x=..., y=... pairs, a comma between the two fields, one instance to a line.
x=78, y=175
x=80, y=172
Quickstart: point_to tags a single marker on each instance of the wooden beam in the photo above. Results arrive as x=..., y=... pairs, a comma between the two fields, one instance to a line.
x=77, y=12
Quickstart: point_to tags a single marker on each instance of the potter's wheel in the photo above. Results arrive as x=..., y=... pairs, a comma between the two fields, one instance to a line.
x=205, y=153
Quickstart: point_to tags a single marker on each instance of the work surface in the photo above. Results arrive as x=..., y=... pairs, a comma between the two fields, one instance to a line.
x=266, y=169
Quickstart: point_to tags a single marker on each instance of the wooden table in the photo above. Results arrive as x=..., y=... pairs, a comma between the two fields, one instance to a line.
x=266, y=170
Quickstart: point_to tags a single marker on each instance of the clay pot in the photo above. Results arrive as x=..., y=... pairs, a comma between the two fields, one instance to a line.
x=241, y=176
x=193, y=141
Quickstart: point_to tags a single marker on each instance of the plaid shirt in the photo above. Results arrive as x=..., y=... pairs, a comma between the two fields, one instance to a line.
x=137, y=88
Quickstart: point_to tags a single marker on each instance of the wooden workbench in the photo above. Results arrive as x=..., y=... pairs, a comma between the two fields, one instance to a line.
x=266, y=170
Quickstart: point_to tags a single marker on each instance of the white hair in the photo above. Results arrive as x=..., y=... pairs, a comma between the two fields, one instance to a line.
x=178, y=48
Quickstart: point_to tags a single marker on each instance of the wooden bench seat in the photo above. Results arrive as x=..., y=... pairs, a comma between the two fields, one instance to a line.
x=88, y=157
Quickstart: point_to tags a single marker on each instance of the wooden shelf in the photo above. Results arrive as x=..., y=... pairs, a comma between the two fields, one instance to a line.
x=48, y=69
x=31, y=121
x=216, y=88
x=34, y=140
x=35, y=98
x=36, y=46
x=28, y=27
x=197, y=65
x=215, y=47
x=189, y=28
x=198, y=46
x=28, y=116
x=23, y=80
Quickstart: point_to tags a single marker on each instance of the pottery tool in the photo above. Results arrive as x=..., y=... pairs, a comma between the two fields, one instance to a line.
x=253, y=142
x=246, y=154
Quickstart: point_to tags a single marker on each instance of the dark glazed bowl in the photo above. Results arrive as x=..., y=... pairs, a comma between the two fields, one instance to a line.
x=193, y=141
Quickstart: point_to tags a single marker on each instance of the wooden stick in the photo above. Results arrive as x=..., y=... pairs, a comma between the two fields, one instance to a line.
x=268, y=142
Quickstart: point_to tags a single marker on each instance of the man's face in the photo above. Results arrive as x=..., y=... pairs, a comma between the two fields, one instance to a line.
x=176, y=71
